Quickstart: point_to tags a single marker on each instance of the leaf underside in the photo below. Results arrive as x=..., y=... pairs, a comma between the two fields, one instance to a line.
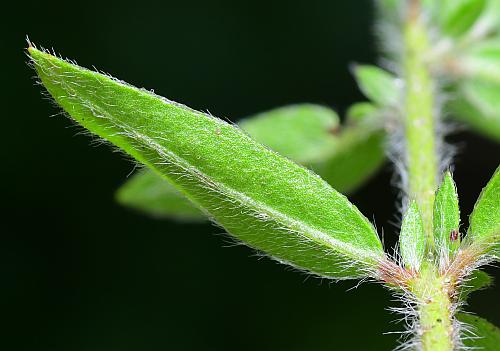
x=260, y=197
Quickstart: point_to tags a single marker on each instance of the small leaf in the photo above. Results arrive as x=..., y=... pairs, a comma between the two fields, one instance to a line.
x=148, y=192
x=378, y=85
x=485, y=218
x=459, y=16
x=482, y=334
x=447, y=218
x=412, y=238
x=478, y=280
x=260, y=197
x=301, y=132
x=479, y=107
x=359, y=112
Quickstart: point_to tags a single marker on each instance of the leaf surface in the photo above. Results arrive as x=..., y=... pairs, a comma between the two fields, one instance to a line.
x=446, y=218
x=412, y=238
x=344, y=156
x=258, y=196
x=485, y=218
x=482, y=336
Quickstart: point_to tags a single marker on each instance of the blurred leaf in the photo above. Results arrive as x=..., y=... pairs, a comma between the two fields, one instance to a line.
x=301, y=132
x=458, y=16
x=260, y=197
x=412, y=238
x=359, y=112
x=479, y=107
x=377, y=85
x=485, y=218
x=478, y=280
x=148, y=192
x=482, y=336
x=481, y=62
x=447, y=218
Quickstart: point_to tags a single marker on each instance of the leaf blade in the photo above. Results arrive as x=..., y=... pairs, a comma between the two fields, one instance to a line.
x=484, y=225
x=261, y=198
x=412, y=238
x=483, y=336
x=377, y=84
x=446, y=219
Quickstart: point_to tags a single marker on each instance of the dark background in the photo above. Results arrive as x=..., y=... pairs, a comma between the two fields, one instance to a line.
x=78, y=272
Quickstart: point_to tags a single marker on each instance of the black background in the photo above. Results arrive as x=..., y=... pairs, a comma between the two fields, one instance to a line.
x=78, y=272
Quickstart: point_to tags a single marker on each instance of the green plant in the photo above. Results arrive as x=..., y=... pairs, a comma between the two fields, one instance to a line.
x=248, y=178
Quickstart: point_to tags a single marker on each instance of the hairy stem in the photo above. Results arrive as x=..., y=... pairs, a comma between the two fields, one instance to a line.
x=436, y=330
x=435, y=327
x=420, y=133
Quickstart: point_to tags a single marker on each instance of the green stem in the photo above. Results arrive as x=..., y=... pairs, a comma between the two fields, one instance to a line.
x=421, y=159
x=436, y=329
x=429, y=288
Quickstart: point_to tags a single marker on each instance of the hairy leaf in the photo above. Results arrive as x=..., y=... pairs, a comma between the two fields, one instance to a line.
x=482, y=334
x=447, y=218
x=378, y=85
x=485, y=218
x=148, y=192
x=300, y=132
x=412, y=238
x=345, y=157
x=260, y=197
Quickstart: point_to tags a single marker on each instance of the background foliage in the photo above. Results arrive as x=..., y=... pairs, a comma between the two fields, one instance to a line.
x=81, y=273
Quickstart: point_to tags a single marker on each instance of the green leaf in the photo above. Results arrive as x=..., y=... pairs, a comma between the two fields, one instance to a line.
x=378, y=85
x=447, y=219
x=359, y=112
x=481, y=62
x=482, y=336
x=479, y=107
x=148, y=192
x=459, y=16
x=478, y=280
x=359, y=154
x=258, y=196
x=302, y=132
x=412, y=238
x=485, y=218
x=346, y=158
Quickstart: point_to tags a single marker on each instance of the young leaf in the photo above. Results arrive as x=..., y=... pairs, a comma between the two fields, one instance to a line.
x=302, y=132
x=378, y=85
x=260, y=197
x=446, y=218
x=412, y=238
x=483, y=335
x=485, y=218
x=480, y=107
x=459, y=16
x=148, y=192
x=478, y=280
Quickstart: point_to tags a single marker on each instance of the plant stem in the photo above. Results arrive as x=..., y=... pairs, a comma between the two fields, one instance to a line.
x=436, y=328
x=429, y=288
x=421, y=159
